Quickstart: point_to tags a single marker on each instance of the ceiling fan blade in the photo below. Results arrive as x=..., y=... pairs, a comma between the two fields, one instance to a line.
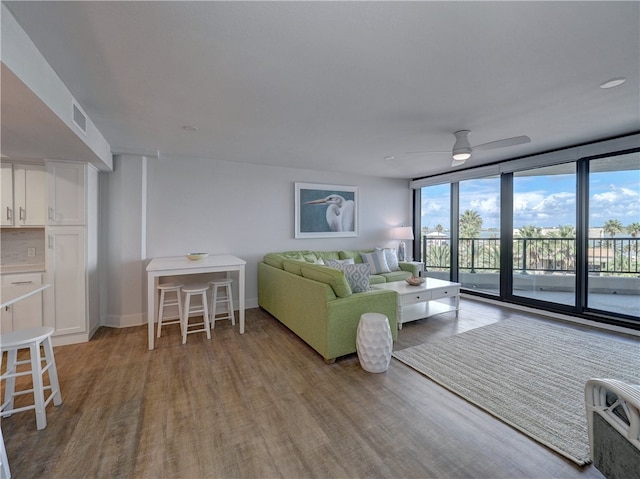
x=457, y=162
x=516, y=140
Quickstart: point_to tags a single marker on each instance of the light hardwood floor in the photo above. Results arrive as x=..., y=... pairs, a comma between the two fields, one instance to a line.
x=265, y=405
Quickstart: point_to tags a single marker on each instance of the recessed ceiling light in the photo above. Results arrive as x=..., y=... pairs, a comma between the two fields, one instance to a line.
x=614, y=82
x=190, y=128
x=389, y=158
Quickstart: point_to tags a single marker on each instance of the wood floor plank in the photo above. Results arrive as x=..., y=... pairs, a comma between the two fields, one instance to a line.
x=265, y=405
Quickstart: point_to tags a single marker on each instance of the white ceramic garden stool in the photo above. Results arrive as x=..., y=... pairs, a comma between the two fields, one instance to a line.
x=225, y=299
x=31, y=339
x=374, y=342
x=167, y=290
x=188, y=310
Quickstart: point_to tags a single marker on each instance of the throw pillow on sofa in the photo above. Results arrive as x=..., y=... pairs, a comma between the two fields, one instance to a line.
x=377, y=261
x=391, y=255
x=332, y=262
x=357, y=275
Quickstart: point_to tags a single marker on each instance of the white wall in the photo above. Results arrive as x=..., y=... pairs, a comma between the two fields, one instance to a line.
x=228, y=208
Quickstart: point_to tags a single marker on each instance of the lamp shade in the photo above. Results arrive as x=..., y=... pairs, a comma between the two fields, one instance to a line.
x=403, y=233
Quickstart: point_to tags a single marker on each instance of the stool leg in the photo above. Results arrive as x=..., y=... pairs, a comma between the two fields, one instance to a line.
x=205, y=315
x=6, y=472
x=10, y=385
x=160, y=312
x=53, y=372
x=214, y=304
x=185, y=318
x=38, y=387
x=230, y=303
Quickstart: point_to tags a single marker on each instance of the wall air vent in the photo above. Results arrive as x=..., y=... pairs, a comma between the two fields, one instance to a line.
x=79, y=118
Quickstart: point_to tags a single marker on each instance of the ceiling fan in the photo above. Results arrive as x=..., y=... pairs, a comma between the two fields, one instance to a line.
x=462, y=149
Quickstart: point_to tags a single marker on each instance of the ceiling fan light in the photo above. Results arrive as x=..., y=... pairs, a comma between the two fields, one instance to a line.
x=462, y=154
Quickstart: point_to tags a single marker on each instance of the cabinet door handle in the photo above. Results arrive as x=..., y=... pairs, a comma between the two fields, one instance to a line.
x=50, y=241
x=21, y=282
x=51, y=213
x=9, y=214
x=22, y=213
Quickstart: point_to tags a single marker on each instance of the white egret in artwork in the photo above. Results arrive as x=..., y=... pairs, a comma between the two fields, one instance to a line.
x=340, y=212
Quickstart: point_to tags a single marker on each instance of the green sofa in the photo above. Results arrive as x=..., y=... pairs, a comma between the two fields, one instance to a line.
x=316, y=302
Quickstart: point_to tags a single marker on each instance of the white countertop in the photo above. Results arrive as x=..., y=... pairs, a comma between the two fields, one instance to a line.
x=22, y=268
x=13, y=294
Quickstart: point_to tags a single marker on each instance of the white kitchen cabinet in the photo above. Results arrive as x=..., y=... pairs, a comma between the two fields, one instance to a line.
x=66, y=193
x=6, y=192
x=65, y=300
x=23, y=194
x=29, y=188
x=26, y=313
x=72, y=302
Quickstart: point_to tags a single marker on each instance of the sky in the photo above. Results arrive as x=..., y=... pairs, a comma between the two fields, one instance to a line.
x=546, y=201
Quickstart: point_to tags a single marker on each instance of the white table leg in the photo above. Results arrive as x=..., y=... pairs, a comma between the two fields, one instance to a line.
x=151, y=310
x=241, y=299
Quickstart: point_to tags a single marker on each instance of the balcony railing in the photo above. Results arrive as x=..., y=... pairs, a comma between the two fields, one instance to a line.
x=611, y=256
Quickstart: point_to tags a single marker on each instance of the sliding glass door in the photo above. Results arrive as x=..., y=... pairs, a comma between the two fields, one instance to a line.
x=613, y=243
x=544, y=234
x=435, y=230
x=479, y=234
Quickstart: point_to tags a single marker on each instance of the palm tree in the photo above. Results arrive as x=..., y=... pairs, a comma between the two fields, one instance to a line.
x=439, y=228
x=534, y=249
x=565, y=246
x=470, y=225
x=612, y=227
x=633, y=229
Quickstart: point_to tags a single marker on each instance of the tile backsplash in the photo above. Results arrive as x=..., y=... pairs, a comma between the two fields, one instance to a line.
x=16, y=242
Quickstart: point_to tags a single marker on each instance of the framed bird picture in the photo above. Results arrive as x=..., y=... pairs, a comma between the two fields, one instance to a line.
x=326, y=211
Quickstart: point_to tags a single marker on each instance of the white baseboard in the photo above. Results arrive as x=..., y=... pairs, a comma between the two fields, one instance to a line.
x=125, y=321
x=550, y=314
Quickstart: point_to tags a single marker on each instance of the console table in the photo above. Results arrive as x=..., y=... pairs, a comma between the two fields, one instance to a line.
x=417, y=302
x=180, y=265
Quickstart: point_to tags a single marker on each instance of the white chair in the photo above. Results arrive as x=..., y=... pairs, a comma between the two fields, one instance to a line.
x=31, y=339
x=225, y=299
x=5, y=472
x=165, y=290
x=189, y=291
x=613, y=420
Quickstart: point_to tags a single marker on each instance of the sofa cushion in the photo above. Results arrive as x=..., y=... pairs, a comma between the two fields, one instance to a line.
x=293, y=266
x=377, y=261
x=377, y=279
x=391, y=255
x=333, y=277
x=355, y=254
x=357, y=275
x=395, y=276
x=334, y=262
x=327, y=255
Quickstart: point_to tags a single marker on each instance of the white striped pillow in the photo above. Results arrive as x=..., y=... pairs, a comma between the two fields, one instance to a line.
x=377, y=261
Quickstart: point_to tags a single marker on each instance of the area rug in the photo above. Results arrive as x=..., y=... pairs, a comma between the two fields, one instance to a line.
x=529, y=374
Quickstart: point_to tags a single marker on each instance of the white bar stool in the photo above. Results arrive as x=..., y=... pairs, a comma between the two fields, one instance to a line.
x=225, y=299
x=197, y=289
x=165, y=289
x=32, y=339
x=5, y=472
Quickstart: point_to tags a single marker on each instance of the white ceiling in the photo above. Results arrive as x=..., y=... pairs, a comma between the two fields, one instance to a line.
x=341, y=85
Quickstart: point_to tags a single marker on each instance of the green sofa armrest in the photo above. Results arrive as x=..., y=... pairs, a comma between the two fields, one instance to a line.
x=410, y=267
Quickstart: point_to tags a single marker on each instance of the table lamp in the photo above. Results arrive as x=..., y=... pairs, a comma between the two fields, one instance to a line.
x=402, y=233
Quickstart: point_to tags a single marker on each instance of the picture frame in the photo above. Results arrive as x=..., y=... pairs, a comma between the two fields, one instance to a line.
x=325, y=211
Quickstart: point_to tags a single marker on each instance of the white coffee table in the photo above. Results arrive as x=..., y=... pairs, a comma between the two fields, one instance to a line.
x=418, y=302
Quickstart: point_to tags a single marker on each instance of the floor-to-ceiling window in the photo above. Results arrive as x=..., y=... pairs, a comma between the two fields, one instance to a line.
x=435, y=230
x=558, y=231
x=613, y=242
x=479, y=234
x=544, y=233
